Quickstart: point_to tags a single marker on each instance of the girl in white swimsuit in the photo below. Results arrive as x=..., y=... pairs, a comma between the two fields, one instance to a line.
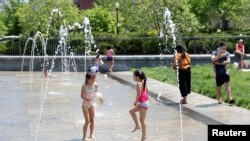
x=89, y=89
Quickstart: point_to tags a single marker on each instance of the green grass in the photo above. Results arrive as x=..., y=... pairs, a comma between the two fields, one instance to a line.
x=203, y=82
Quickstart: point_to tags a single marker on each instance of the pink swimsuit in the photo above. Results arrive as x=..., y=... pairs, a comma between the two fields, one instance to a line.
x=143, y=99
x=109, y=53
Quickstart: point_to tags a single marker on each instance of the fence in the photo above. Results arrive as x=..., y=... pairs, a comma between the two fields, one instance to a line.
x=15, y=45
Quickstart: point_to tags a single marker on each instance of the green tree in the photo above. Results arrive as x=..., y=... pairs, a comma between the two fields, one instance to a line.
x=100, y=19
x=3, y=27
x=238, y=15
x=35, y=15
x=183, y=16
x=9, y=19
x=147, y=15
x=222, y=14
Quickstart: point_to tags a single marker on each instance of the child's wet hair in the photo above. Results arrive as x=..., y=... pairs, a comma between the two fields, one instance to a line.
x=181, y=49
x=109, y=47
x=89, y=75
x=142, y=76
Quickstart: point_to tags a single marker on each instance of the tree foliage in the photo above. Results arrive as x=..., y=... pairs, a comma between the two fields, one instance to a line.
x=141, y=16
x=101, y=20
x=39, y=12
x=3, y=27
x=147, y=15
x=8, y=18
x=214, y=13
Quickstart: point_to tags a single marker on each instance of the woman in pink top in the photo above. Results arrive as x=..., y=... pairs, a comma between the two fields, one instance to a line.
x=110, y=57
x=240, y=48
x=141, y=102
x=240, y=54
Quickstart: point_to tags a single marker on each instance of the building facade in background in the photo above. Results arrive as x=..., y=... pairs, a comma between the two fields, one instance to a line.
x=84, y=4
x=81, y=4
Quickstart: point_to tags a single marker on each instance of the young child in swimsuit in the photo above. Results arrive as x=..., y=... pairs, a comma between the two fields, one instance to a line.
x=141, y=102
x=88, y=92
x=98, y=62
x=110, y=57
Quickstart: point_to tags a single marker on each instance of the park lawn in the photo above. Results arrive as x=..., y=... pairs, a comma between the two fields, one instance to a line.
x=203, y=82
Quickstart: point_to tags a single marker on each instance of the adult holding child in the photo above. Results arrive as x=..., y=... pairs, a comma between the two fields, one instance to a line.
x=220, y=59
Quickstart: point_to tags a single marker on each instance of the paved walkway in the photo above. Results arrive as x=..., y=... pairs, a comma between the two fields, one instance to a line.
x=26, y=97
x=208, y=107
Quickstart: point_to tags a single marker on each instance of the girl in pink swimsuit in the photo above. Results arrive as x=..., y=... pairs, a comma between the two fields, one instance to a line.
x=141, y=102
x=110, y=57
x=88, y=92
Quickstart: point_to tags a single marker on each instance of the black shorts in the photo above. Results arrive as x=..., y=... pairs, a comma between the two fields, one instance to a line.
x=109, y=58
x=222, y=78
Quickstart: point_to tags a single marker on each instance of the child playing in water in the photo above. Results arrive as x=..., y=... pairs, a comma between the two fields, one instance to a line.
x=45, y=73
x=98, y=62
x=89, y=89
x=141, y=102
x=110, y=57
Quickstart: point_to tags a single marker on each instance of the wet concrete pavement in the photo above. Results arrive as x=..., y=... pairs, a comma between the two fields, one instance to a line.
x=26, y=97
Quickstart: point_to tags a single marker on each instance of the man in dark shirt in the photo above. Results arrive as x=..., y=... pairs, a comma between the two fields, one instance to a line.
x=220, y=59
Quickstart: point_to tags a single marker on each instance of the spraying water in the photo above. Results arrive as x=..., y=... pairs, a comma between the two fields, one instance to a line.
x=88, y=40
x=63, y=50
x=170, y=29
x=65, y=67
x=34, y=49
x=44, y=65
x=67, y=57
x=54, y=11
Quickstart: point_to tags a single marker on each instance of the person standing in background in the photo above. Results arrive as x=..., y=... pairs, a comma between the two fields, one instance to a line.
x=220, y=58
x=239, y=54
x=110, y=57
x=182, y=61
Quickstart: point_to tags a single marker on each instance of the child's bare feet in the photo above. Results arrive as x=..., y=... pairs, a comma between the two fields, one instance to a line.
x=144, y=138
x=136, y=128
x=92, y=137
x=85, y=139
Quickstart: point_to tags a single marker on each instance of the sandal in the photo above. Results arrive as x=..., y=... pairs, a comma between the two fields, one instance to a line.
x=231, y=101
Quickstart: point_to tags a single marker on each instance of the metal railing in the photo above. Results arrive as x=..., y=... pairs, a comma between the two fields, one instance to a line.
x=14, y=45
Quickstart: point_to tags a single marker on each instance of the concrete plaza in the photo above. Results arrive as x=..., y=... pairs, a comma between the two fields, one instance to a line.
x=26, y=97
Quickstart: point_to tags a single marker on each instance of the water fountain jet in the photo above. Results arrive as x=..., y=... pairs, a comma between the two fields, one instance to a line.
x=170, y=29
